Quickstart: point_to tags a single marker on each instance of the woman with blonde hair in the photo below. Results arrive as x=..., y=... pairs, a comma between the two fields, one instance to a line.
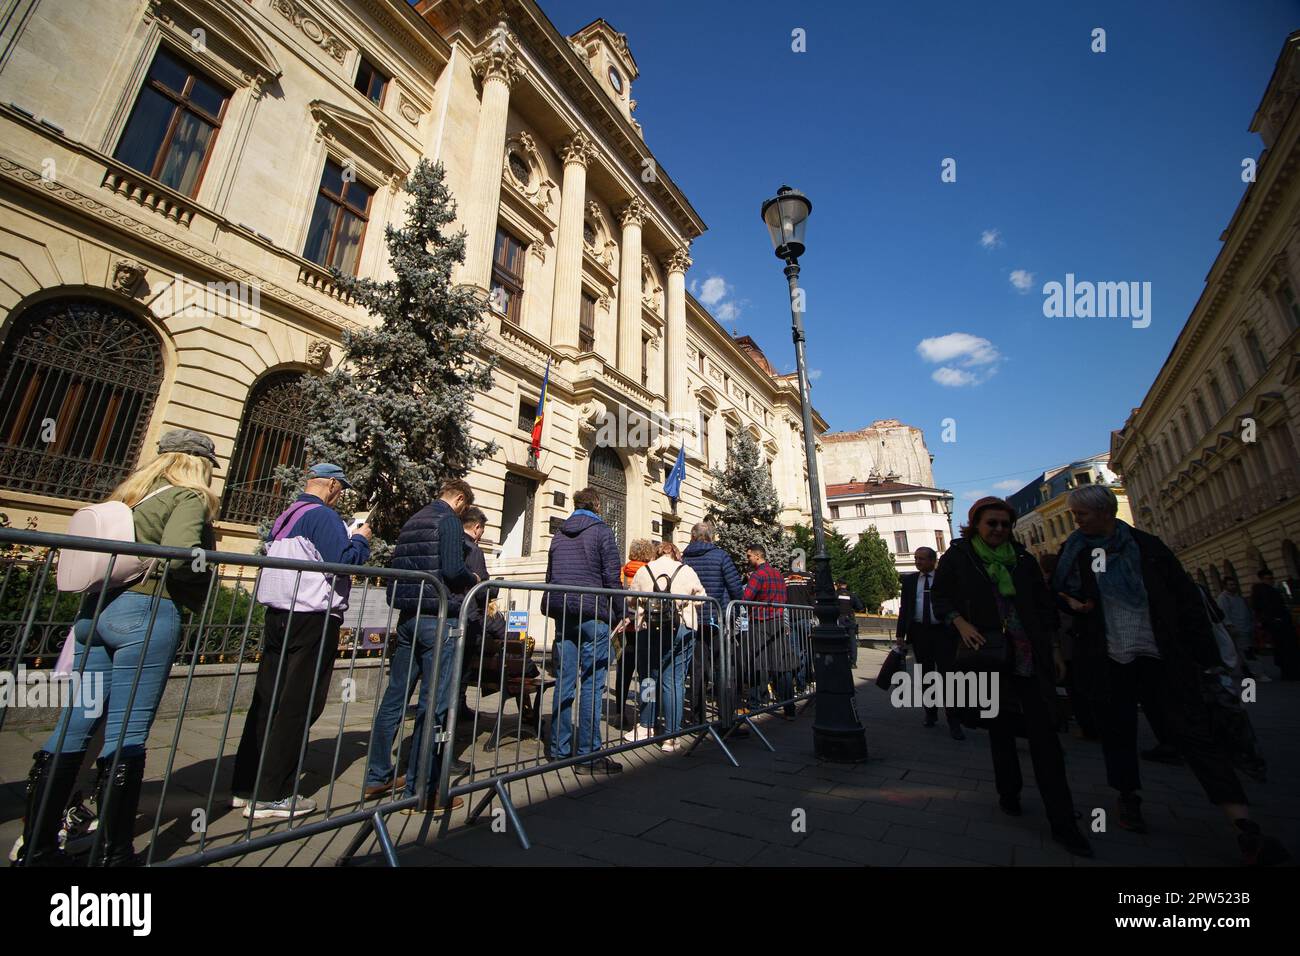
x=135, y=641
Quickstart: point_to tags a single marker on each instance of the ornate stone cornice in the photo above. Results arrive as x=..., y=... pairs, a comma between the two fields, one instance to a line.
x=498, y=59
x=579, y=149
x=680, y=260
x=633, y=214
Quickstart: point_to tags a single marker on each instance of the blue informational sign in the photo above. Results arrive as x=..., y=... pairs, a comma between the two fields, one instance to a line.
x=517, y=621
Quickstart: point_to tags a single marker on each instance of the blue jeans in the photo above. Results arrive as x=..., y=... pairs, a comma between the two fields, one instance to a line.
x=124, y=637
x=669, y=682
x=582, y=647
x=414, y=646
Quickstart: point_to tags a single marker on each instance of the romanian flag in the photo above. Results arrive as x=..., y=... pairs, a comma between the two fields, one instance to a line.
x=536, y=443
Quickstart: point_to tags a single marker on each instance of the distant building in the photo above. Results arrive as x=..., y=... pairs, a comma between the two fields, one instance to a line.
x=1210, y=454
x=907, y=516
x=886, y=449
x=1044, y=519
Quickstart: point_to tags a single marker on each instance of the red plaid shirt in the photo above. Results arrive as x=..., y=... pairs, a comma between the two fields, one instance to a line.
x=765, y=585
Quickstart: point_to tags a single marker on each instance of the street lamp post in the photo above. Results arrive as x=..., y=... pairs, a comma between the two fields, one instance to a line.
x=837, y=731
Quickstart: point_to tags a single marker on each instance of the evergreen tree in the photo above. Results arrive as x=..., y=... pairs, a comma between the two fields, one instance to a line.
x=394, y=412
x=866, y=566
x=749, y=511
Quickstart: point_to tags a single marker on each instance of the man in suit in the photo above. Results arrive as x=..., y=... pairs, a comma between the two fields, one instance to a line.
x=934, y=643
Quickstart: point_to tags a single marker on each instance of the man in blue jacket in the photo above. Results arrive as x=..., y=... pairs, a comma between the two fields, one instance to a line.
x=433, y=541
x=717, y=572
x=584, y=554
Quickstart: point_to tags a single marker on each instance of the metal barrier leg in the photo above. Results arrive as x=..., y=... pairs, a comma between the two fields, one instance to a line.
x=754, y=727
x=499, y=792
x=385, y=841
x=712, y=732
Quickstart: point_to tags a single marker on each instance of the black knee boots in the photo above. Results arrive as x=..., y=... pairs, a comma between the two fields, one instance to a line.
x=51, y=782
x=117, y=799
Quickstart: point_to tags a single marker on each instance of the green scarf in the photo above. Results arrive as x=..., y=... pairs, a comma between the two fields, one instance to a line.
x=999, y=563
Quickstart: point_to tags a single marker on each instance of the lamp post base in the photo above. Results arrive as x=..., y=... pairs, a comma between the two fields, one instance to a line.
x=838, y=735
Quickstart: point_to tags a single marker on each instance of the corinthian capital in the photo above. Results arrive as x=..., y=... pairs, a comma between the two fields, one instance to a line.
x=498, y=59
x=578, y=149
x=633, y=214
x=679, y=260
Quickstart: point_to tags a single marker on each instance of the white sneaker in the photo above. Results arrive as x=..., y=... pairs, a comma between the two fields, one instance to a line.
x=670, y=746
x=639, y=733
x=238, y=803
x=281, y=808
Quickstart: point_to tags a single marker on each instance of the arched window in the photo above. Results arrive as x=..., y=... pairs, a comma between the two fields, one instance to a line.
x=78, y=382
x=272, y=432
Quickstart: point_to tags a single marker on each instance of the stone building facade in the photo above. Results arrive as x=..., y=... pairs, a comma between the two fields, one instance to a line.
x=175, y=175
x=1210, y=456
x=1042, y=506
x=886, y=448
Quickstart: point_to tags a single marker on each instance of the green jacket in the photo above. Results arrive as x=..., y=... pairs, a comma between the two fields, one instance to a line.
x=176, y=518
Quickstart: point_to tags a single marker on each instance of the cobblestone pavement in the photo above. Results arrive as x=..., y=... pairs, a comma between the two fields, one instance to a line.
x=922, y=799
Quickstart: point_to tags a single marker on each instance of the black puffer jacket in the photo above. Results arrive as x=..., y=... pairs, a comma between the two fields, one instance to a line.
x=962, y=585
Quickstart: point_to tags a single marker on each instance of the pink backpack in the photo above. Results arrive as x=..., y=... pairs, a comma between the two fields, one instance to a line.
x=87, y=570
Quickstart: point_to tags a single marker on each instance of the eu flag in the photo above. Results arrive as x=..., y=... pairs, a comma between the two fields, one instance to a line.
x=673, y=484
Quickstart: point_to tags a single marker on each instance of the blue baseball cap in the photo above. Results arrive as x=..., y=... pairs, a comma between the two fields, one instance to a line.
x=329, y=470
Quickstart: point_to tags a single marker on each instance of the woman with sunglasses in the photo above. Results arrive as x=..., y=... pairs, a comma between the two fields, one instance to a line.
x=991, y=590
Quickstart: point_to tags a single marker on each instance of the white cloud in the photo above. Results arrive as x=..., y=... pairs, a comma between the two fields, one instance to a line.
x=713, y=290
x=814, y=374
x=1022, y=280
x=1010, y=484
x=962, y=347
x=974, y=495
x=726, y=311
x=953, y=377
x=990, y=238
x=969, y=359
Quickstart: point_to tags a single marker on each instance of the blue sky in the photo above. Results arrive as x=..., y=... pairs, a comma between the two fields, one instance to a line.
x=1115, y=166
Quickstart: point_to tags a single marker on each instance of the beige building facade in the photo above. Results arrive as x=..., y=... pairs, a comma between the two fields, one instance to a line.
x=886, y=449
x=1210, y=457
x=175, y=176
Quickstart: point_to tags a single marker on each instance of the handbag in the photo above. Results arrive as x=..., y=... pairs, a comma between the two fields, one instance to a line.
x=989, y=658
x=895, y=661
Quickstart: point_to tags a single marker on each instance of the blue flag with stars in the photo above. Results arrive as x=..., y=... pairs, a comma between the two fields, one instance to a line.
x=673, y=483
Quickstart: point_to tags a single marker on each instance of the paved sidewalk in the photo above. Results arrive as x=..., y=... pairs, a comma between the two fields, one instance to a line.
x=921, y=800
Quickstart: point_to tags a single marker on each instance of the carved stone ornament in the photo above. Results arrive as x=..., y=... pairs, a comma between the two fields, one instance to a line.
x=538, y=189
x=633, y=213
x=498, y=59
x=410, y=112
x=590, y=416
x=680, y=260
x=578, y=148
x=651, y=290
x=127, y=274
x=318, y=354
x=312, y=28
x=603, y=248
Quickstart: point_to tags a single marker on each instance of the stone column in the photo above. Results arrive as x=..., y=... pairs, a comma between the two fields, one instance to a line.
x=499, y=68
x=566, y=303
x=629, y=290
x=675, y=336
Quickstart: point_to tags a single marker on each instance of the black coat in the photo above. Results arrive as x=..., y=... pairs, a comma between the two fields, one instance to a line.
x=961, y=584
x=1178, y=620
x=907, y=605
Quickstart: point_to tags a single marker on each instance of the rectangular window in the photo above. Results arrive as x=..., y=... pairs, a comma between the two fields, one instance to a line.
x=507, y=276
x=517, y=516
x=835, y=512
x=371, y=82
x=1220, y=406
x=668, y=529
x=1287, y=302
x=587, y=324
x=1234, y=375
x=938, y=541
x=1256, y=352
x=900, y=542
x=527, y=414
x=338, y=223
x=704, y=435
x=731, y=440
x=173, y=124
x=897, y=507
x=862, y=510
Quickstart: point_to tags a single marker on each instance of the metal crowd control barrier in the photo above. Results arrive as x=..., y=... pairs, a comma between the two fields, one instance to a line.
x=771, y=647
x=31, y=609
x=590, y=635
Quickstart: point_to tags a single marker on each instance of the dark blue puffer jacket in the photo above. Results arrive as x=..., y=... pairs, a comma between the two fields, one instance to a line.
x=432, y=540
x=583, y=554
x=716, y=571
